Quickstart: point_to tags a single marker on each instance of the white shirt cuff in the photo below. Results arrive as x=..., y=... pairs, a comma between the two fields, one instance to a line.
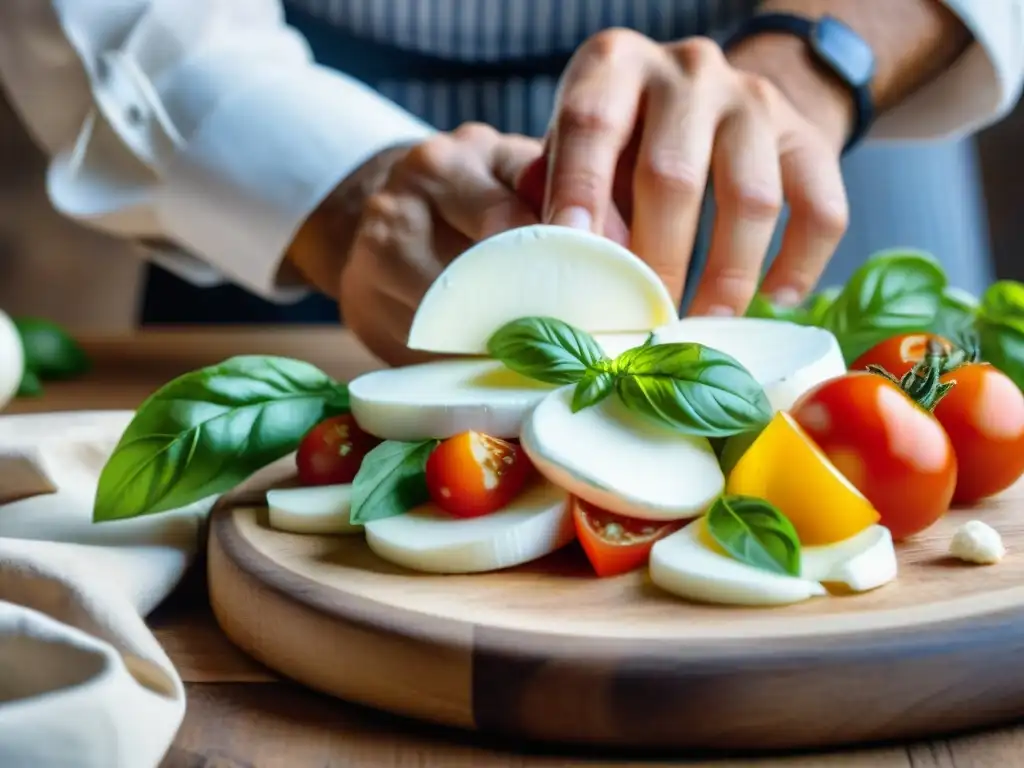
x=263, y=160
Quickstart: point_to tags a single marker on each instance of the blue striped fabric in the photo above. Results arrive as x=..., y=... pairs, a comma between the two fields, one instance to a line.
x=498, y=61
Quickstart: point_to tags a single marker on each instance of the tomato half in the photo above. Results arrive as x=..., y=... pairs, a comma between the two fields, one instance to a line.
x=471, y=474
x=900, y=353
x=890, y=449
x=984, y=417
x=615, y=544
x=332, y=451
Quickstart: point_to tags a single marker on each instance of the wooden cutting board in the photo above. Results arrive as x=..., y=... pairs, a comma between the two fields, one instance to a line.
x=548, y=652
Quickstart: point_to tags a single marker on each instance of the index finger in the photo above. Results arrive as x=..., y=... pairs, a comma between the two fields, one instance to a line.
x=595, y=114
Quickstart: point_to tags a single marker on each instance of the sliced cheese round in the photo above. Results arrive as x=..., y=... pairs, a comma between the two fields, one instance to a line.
x=621, y=461
x=12, y=360
x=443, y=398
x=446, y=397
x=583, y=279
x=786, y=359
x=683, y=565
x=862, y=562
x=321, y=509
x=426, y=539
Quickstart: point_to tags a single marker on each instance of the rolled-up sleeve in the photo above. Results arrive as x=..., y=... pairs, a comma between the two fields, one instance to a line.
x=981, y=87
x=201, y=125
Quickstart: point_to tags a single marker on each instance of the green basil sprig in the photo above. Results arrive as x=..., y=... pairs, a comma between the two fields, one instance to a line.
x=755, y=532
x=1000, y=328
x=50, y=351
x=391, y=480
x=691, y=388
x=206, y=431
x=891, y=293
x=695, y=389
x=546, y=349
x=51, y=354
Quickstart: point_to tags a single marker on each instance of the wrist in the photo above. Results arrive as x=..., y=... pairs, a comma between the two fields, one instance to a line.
x=821, y=97
x=320, y=248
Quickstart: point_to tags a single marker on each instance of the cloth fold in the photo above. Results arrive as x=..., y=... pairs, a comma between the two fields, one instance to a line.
x=83, y=682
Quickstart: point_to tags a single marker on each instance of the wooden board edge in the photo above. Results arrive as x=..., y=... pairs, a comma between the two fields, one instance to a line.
x=361, y=664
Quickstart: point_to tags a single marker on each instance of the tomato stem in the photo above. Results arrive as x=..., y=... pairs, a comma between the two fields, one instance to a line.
x=923, y=383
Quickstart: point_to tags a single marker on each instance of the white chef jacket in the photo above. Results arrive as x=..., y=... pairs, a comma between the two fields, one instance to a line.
x=204, y=129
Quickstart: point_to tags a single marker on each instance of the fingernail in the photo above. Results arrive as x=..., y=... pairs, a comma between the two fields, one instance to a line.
x=575, y=217
x=786, y=297
x=720, y=310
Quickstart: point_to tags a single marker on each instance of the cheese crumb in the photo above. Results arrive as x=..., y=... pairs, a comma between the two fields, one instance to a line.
x=976, y=542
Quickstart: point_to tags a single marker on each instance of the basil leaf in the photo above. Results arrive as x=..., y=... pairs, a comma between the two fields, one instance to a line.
x=694, y=389
x=817, y=305
x=1003, y=303
x=50, y=352
x=892, y=292
x=762, y=307
x=734, y=447
x=756, y=533
x=594, y=387
x=205, y=432
x=956, y=315
x=1000, y=328
x=30, y=385
x=391, y=480
x=811, y=312
x=545, y=349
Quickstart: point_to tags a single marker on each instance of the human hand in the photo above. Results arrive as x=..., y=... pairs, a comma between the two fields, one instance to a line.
x=438, y=199
x=674, y=115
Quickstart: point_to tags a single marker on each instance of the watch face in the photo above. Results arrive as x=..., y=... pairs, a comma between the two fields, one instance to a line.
x=844, y=50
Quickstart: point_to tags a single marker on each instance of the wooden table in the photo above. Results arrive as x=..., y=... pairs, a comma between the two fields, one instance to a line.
x=241, y=714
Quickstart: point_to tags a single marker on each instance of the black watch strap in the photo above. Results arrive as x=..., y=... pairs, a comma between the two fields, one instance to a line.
x=833, y=45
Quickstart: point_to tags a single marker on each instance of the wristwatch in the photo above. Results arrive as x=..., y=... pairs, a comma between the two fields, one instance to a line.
x=836, y=47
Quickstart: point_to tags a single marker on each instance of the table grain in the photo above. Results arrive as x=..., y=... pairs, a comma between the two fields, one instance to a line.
x=242, y=715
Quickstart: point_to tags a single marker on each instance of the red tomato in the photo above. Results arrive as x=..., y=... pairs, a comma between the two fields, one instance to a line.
x=615, y=544
x=332, y=451
x=984, y=417
x=900, y=353
x=889, y=448
x=471, y=474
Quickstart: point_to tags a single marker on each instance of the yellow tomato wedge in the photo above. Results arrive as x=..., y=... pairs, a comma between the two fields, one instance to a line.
x=785, y=467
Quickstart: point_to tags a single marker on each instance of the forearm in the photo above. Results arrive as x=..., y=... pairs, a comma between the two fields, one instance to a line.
x=914, y=41
x=237, y=136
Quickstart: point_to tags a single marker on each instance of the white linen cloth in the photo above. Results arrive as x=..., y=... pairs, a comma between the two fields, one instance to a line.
x=83, y=682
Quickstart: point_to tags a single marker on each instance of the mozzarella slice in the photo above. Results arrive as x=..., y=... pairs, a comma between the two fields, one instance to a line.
x=861, y=563
x=319, y=509
x=446, y=397
x=683, y=565
x=12, y=360
x=426, y=539
x=787, y=359
x=583, y=279
x=621, y=461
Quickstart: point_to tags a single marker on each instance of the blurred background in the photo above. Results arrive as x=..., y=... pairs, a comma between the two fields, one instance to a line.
x=29, y=227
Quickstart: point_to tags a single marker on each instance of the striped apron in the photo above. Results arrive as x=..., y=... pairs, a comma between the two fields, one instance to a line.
x=498, y=62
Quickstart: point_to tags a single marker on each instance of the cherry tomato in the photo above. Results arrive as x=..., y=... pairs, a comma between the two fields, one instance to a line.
x=890, y=449
x=900, y=353
x=615, y=544
x=471, y=474
x=984, y=417
x=332, y=451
